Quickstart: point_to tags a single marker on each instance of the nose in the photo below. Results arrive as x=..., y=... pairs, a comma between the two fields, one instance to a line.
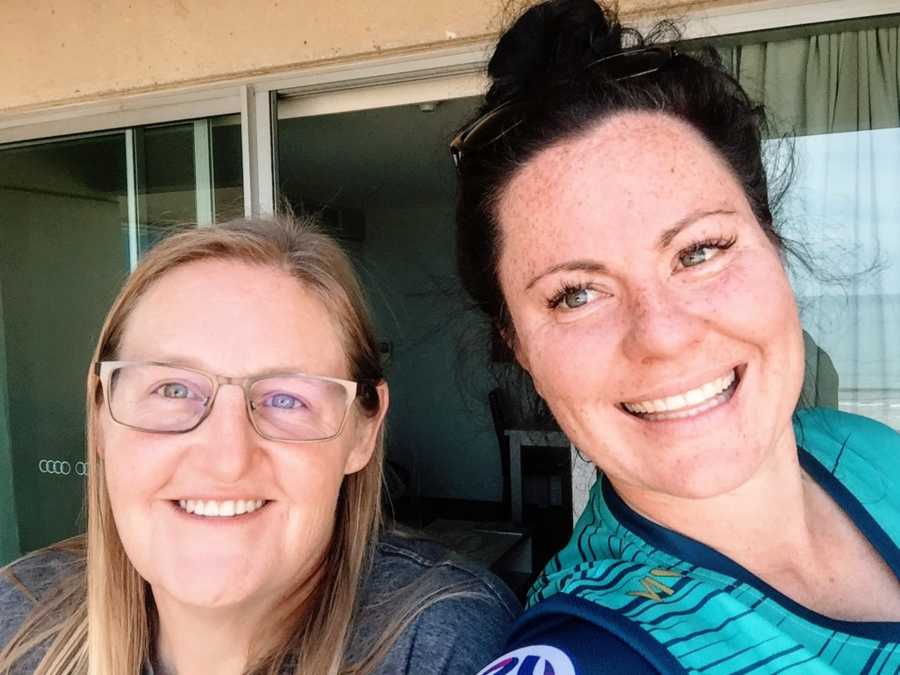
x=661, y=325
x=226, y=441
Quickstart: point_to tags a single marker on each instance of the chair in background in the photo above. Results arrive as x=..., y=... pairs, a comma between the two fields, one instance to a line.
x=821, y=381
x=496, y=403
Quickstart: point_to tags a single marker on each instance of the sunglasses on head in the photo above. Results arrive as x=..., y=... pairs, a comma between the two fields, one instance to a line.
x=500, y=120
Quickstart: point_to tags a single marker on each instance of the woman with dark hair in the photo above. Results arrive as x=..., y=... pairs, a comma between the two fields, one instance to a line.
x=614, y=222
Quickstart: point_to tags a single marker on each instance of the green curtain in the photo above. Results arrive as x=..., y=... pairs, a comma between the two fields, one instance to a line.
x=9, y=532
x=824, y=83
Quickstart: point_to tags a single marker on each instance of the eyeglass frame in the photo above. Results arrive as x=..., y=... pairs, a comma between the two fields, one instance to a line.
x=355, y=389
x=457, y=144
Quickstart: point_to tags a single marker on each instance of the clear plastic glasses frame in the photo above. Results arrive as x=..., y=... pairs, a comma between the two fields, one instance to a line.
x=105, y=371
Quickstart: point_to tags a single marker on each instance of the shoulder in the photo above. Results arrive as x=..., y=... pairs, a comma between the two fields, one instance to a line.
x=402, y=559
x=27, y=581
x=826, y=432
x=563, y=636
x=837, y=438
x=460, y=613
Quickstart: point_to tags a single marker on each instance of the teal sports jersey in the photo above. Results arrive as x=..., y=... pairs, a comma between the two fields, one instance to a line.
x=629, y=596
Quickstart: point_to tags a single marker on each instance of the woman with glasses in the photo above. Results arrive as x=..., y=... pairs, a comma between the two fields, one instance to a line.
x=235, y=445
x=614, y=223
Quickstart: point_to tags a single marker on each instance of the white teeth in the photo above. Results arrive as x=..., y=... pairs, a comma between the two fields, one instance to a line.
x=224, y=509
x=701, y=396
x=676, y=402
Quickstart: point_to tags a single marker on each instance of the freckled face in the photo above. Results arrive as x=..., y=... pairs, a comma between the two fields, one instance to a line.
x=232, y=319
x=650, y=307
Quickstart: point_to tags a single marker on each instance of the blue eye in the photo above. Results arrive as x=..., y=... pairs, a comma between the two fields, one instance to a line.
x=695, y=256
x=704, y=251
x=174, y=390
x=574, y=299
x=284, y=402
x=571, y=297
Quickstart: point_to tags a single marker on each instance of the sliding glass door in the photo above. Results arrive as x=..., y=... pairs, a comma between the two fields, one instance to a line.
x=76, y=213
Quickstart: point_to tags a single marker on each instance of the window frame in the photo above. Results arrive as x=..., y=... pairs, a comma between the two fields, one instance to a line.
x=451, y=72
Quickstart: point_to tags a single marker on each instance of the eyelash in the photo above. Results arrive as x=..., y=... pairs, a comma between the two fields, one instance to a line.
x=555, y=300
x=720, y=243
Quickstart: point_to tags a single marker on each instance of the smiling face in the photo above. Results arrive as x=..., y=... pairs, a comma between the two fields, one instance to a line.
x=233, y=319
x=650, y=308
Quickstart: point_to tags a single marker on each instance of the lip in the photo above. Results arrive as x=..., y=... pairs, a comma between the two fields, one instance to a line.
x=695, y=382
x=699, y=422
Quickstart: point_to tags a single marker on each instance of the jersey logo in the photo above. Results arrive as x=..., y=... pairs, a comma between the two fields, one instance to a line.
x=532, y=660
x=652, y=587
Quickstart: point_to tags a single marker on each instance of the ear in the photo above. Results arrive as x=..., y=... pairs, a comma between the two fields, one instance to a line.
x=366, y=430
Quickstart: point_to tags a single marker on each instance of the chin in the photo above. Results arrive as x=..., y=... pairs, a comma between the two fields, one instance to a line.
x=705, y=474
x=209, y=590
x=208, y=580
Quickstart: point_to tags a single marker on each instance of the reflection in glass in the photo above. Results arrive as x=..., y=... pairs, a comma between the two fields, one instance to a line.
x=187, y=173
x=845, y=204
x=836, y=91
x=76, y=213
x=64, y=252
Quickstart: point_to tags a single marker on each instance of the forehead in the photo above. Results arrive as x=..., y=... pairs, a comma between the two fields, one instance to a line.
x=634, y=173
x=234, y=318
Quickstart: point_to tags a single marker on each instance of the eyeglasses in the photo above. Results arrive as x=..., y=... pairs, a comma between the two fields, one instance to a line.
x=290, y=407
x=499, y=121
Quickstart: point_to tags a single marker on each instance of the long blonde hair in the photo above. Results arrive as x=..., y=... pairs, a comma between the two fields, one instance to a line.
x=101, y=622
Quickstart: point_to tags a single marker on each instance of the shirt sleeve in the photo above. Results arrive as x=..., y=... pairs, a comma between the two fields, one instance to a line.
x=568, y=646
x=454, y=636
x=23, y=584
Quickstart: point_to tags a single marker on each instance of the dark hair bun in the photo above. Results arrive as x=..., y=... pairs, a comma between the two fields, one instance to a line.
x=552, y=40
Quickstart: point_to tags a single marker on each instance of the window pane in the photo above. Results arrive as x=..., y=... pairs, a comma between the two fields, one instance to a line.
x=383, y=182
x=228, y=172
x=64, y=251
x=66, y=241
x=845, y=204
x=188, y=173
x=836, y=89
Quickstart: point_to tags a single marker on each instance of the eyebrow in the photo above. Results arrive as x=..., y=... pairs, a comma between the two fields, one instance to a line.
x=666, y=237
x=584, y=265
x=588, y=265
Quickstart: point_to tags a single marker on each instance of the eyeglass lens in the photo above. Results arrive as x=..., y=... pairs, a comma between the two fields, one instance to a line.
x=163, y=398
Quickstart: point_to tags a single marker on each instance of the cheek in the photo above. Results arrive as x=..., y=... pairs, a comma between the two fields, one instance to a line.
x=570, y=362
x=128, y=473
x=761, y=304
x=312, y=483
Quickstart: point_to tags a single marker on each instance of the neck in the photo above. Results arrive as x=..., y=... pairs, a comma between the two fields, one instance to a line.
x=765, y=524
x=204, y=640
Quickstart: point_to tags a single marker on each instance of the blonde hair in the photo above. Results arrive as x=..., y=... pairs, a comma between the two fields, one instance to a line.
x=101, y=620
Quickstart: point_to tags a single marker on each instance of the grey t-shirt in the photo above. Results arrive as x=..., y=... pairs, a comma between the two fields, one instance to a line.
x=455, y=636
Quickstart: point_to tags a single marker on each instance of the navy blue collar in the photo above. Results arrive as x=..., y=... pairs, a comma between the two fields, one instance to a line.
x=692, y=551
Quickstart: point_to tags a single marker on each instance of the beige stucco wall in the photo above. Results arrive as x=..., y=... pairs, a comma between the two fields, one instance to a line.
x=56, y=51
